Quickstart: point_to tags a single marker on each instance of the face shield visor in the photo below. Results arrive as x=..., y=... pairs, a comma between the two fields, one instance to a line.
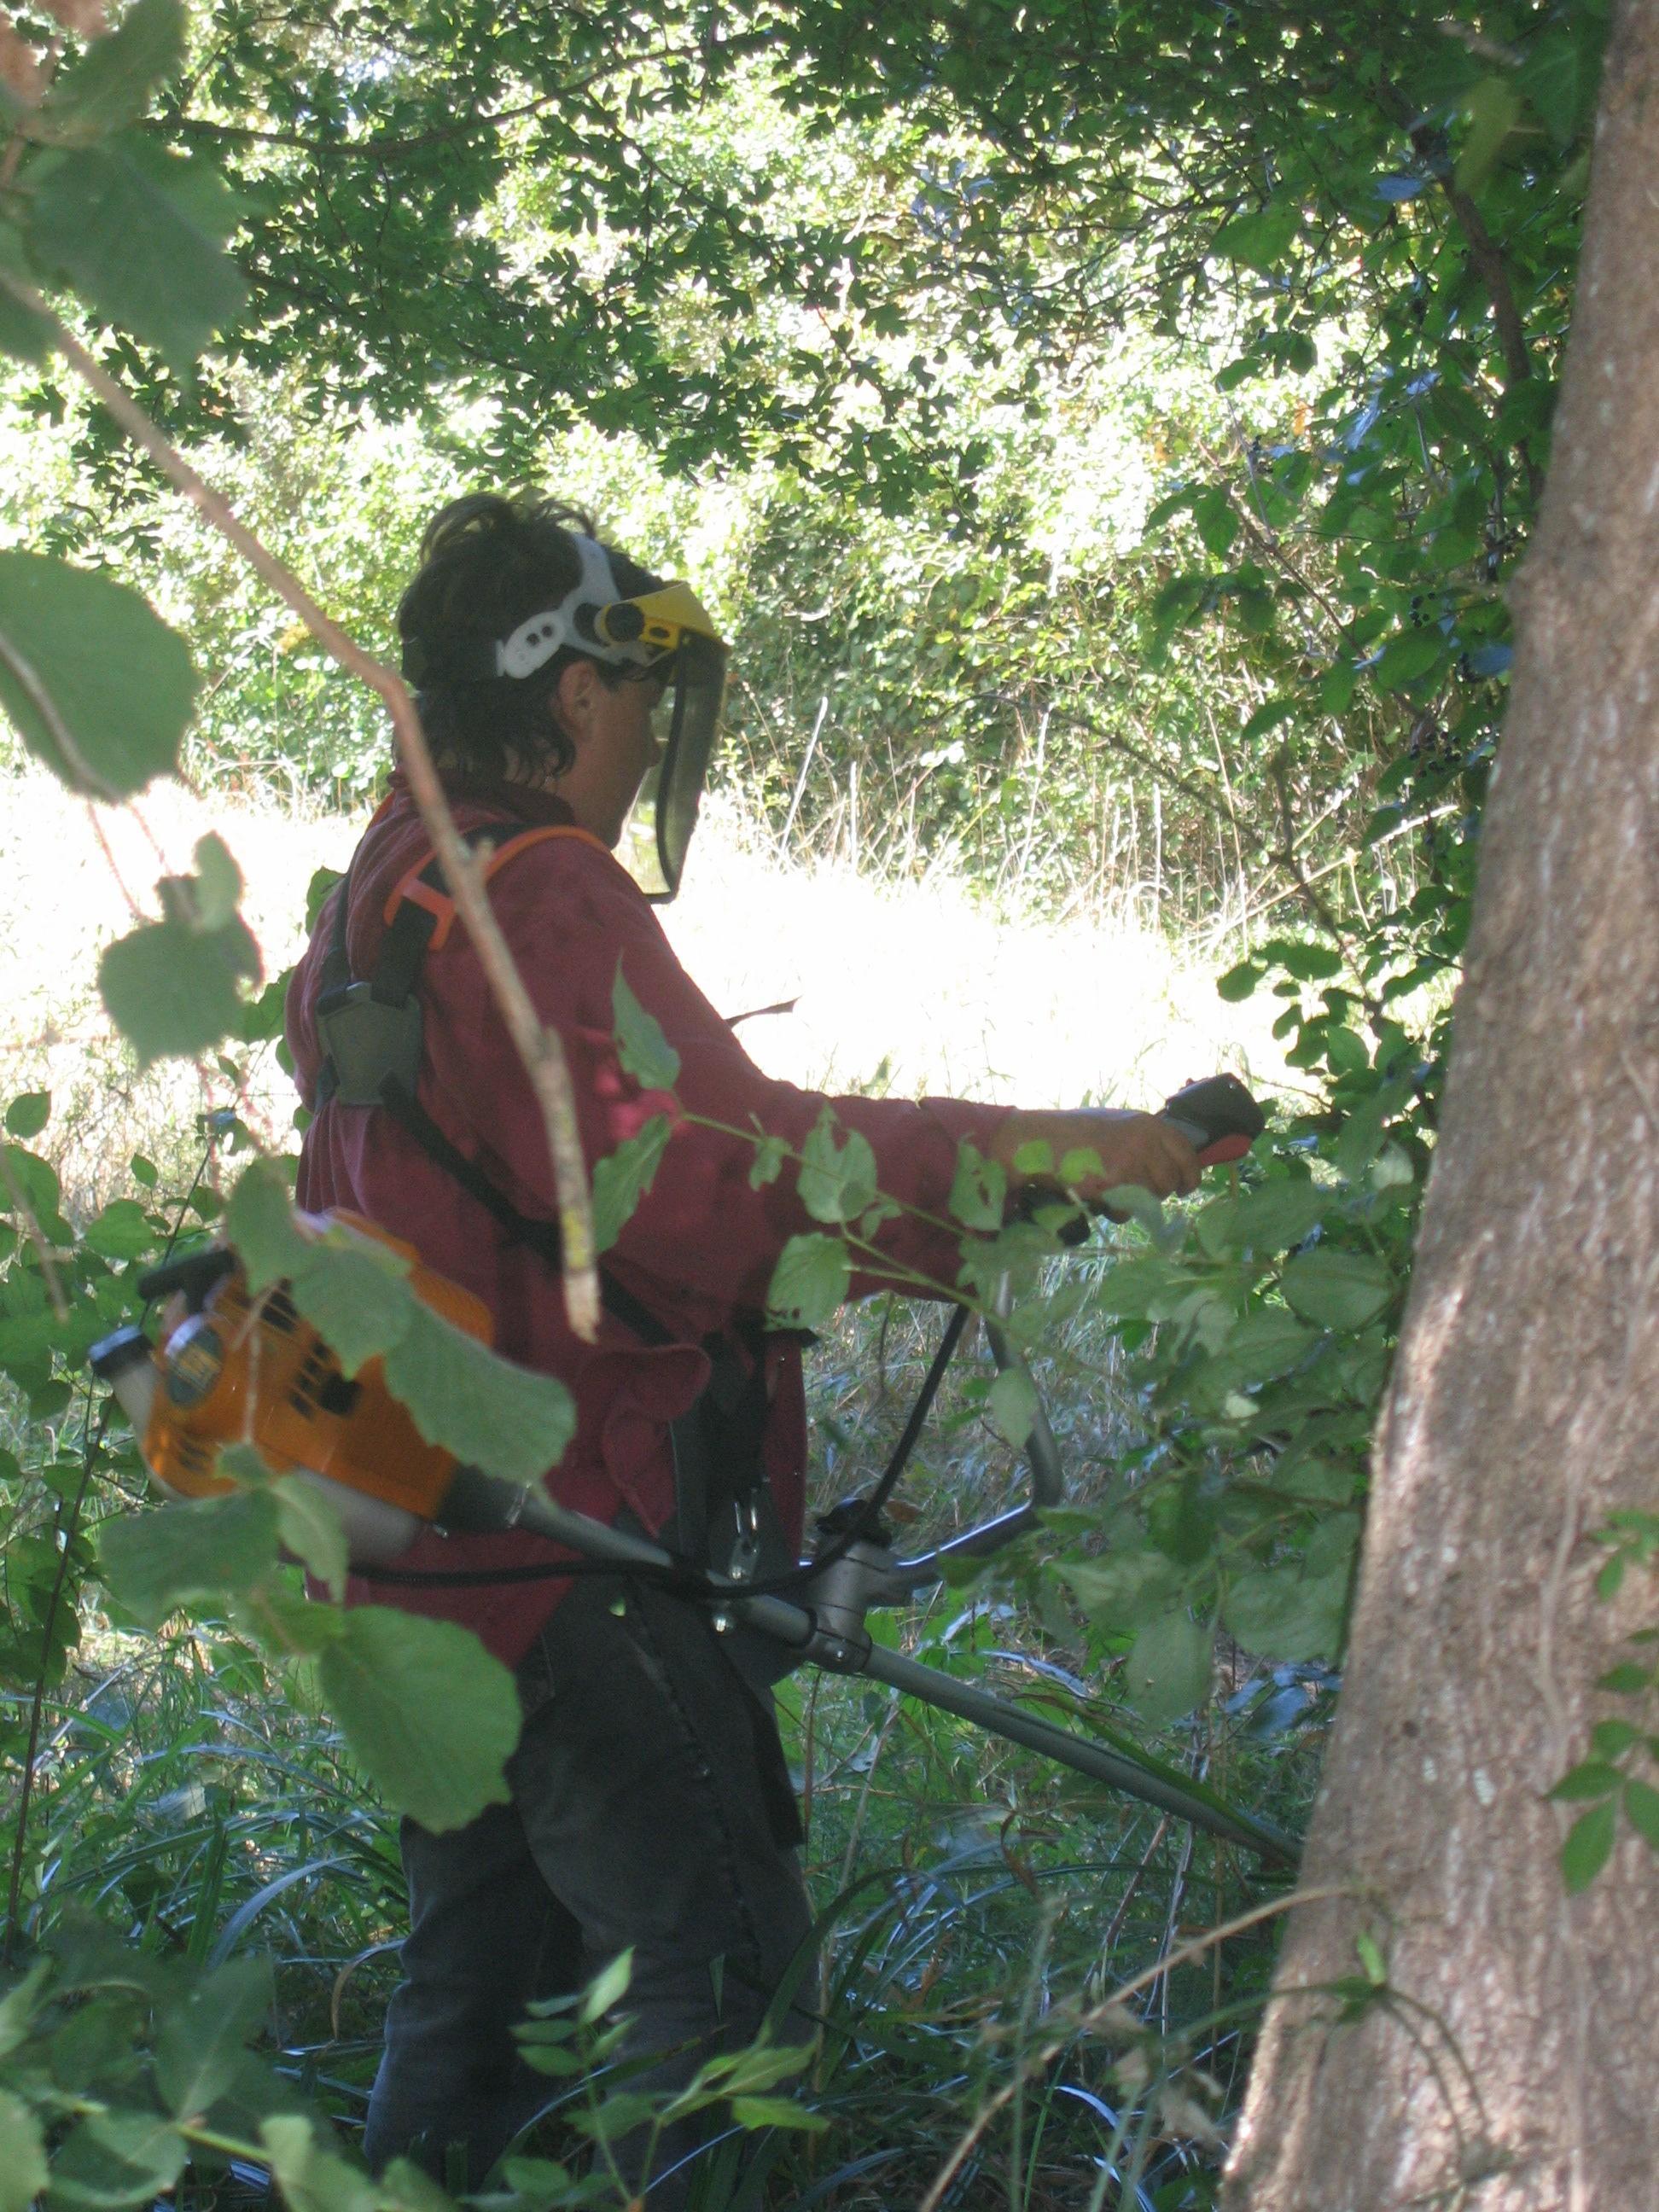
x=689, y=661
x=688, y=720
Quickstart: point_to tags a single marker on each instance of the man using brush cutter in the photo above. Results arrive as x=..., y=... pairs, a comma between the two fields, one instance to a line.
x=651, y=1808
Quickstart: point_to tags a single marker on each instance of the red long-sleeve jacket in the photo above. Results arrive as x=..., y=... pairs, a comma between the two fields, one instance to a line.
x=702, y=1242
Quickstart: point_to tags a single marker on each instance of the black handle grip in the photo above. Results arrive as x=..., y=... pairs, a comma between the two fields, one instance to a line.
x=197, y=1274
x=1218, y=1117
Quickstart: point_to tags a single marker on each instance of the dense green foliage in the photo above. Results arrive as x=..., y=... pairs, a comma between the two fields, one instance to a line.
x=854, y=280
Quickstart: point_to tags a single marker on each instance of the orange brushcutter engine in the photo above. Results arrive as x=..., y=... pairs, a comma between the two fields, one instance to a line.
x=235, y=1369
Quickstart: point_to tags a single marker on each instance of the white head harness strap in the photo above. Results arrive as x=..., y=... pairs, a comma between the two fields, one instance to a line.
x=541, y=635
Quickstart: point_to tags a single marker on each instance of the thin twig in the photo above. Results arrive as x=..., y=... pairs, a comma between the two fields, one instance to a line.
x=1115, y=1927
x=94, y=1438
x=538, y=1046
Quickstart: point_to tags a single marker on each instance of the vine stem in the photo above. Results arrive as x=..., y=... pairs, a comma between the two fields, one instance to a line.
x=69, y=1523
x=538, y=1046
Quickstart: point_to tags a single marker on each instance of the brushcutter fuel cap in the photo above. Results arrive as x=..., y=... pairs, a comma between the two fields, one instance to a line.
x=1218, y=1117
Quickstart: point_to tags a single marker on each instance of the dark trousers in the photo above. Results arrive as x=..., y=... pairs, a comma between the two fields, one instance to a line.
x=651, y=1811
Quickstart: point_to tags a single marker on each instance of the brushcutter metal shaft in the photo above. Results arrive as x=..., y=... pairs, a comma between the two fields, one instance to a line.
x=842, y=1644
x=997, y=1717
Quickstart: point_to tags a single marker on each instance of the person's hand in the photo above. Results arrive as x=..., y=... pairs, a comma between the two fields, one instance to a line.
x=1141, y=1149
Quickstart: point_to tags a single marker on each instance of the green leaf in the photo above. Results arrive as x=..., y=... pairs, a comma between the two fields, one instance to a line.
x=34, y=1179
x=607, y=1988
x=18, y=2007
x=1412, y=654
x=1559, y=76
x=23, y=2154
x=308, y=1523
x=1613, y=1738
x=1587, y=1846
x=154, y=1561
x=1302, y=957
x=1255, y=1349
x=1125, y=1590
x=751, y=2071
x=1240, y=981
x=198, y=2050
x=1626, y=1679
x=809, y=1281
x=110, y=84
x=1169, y=1668
x=115, y=2159
x=623, y=1178
x=1273, y=1215
x=619, y=2115
x=1217, y=524
x=1013, y=1403
x=1362, y=1134
x=776, y=2112
x=84, y=659
x=979, y=1189
x=1269, y=717
x=136, y=229
x=1337, y=1290
x=541, y=2182
x=1642, y=1810
x=28, y=1113
x=355, y=1292
x=642, y=1049
x=837, y=1182
x=1262, y=238
x=770, y=1154
x=23, y=333
x=430, y=1716
x=405, y=2188
x=1371, y=1960
x=312, y=2178
x=218, y=884
x=1286, y=1614
x=174, y=991
x=322, y=882
x=121, y=1232
x=489, y=1413
x=259, y=1221
x=1035, y=1159
x=1590, y=1778
x=1493, y=107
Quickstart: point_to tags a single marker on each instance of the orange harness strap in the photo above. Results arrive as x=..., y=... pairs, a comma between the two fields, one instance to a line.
x=441, y=904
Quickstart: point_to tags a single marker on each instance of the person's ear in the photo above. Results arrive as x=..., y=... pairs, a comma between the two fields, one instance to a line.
x=574, y=699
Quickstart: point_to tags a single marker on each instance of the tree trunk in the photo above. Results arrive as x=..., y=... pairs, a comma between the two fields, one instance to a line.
x=1512, y=2058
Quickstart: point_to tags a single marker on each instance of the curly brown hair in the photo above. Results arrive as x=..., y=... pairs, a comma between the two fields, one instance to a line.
x=488, y=563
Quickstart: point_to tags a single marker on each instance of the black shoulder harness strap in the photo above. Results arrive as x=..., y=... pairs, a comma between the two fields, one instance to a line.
x=372, y=1034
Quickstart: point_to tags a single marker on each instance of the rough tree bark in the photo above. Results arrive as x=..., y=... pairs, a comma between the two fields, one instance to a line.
x=1515, y=2061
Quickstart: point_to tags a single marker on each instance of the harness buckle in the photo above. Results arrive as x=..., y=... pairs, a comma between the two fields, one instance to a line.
x=746, y=1549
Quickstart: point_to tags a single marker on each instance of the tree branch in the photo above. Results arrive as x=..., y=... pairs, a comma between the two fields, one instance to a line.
x=537, y=1046
x=394, y=149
